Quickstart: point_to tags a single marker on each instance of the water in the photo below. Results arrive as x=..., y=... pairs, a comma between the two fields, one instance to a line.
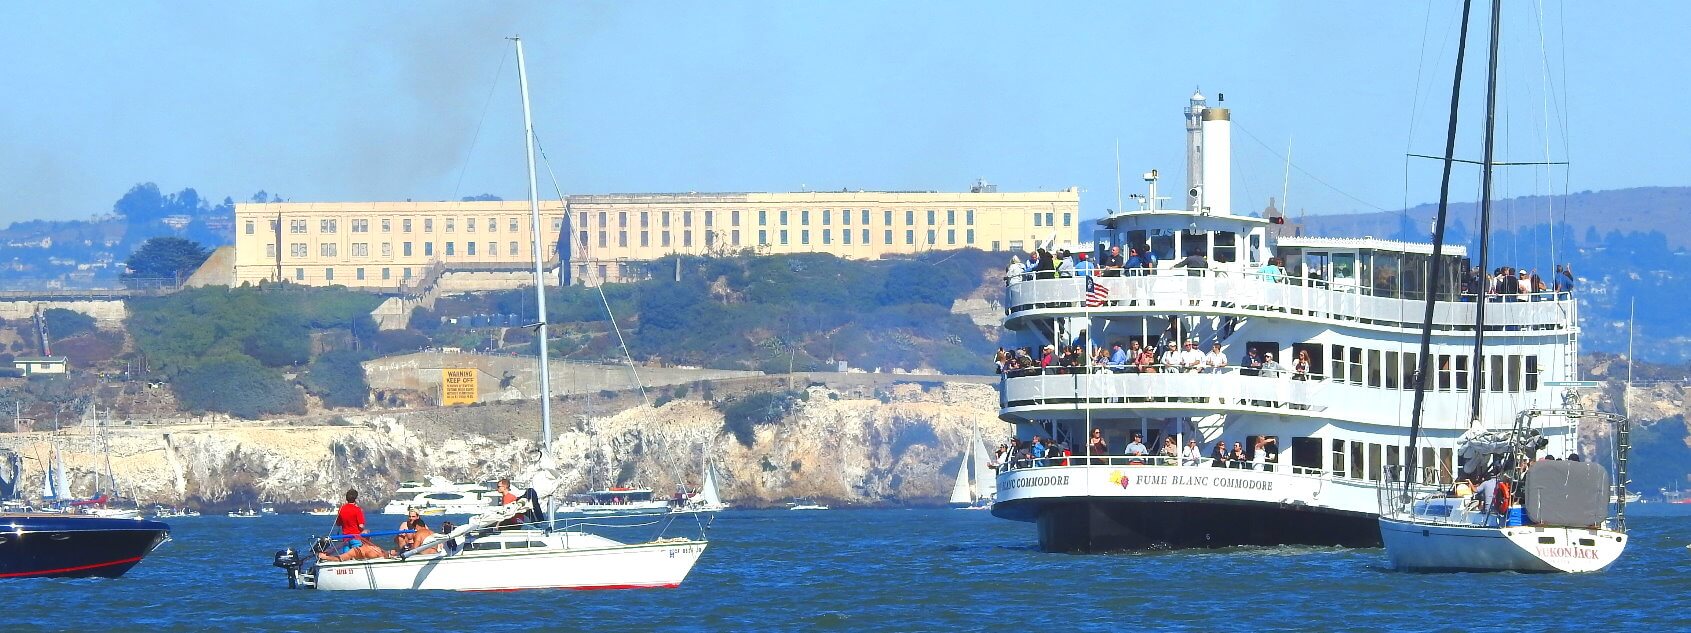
x=897, y=570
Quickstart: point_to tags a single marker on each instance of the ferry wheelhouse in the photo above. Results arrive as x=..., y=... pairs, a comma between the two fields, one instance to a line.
x=1351, y=309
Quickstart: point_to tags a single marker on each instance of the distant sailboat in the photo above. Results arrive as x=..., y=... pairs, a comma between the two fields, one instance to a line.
x=985, y=487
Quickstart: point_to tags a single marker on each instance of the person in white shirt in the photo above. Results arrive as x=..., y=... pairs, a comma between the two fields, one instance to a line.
x=1171, y=358
x=1014, y=273
x=1191, y=455
x=1192, y=360
x=1215, y=362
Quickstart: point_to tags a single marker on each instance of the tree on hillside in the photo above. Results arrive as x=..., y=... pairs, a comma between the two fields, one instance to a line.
x=239, y=386
x=63, y=324
x=166, y=258
x=338, y=378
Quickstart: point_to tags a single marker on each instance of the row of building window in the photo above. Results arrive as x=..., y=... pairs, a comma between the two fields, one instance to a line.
x=826, y=236
x=491, y=225
x=827, y=217
x=357, y=274
x=362, y=249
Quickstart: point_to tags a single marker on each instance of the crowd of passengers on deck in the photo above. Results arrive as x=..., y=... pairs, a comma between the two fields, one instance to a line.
x=1505, y=283
x=1040, y=452
x=1134, y=358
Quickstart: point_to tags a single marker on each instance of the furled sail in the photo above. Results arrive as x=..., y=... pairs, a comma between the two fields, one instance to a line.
x=61, y=484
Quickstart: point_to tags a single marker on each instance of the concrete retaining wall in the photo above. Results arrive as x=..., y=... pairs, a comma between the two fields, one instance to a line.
x=108, y=313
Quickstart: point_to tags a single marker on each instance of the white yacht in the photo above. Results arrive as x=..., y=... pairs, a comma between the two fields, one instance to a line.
x=439, y=495
x=1318, y=425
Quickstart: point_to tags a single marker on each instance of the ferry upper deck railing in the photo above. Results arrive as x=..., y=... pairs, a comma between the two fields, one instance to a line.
x=1158, y=461
x=1160, y=291
x=1219, y=387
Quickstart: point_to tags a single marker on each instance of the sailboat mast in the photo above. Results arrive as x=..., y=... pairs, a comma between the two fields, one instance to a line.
x=1423, y=362
x=539, y=262
x=1478, y=386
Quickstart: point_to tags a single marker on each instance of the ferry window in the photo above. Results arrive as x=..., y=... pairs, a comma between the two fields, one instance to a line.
x=1444, y=372
x=1256, y=250
x=1194, y=243
x=1446, y=457
x=1357, y=454
x=1162, y=245
x=1496, y=371
x=1409, y=370
x=1315, y=357
x=1338, y=466
x=1338, y=372
x=1135, y=239
x=1374, y=462
x=1390, y=370
x=1373, y=368
x=1391, y=462
x=1514, y=372
x=1344, y=268
x=1385, y=274
x=1262, y=349
x=1427, y=466
x=1355, y=366
x=1226, y=247
x=1462, y=372
x=1306, y=455
x=1413, y=276
x=1532, y=373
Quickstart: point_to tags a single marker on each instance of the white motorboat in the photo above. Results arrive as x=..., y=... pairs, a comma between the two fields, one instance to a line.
x=244, y=513
x=1631, y=497
x=480, y=556
x=439, y=495
x=321, y=512
x=806, y=504
x=979, y=494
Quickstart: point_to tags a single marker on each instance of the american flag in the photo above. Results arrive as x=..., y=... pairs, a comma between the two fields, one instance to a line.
x=1097, y=294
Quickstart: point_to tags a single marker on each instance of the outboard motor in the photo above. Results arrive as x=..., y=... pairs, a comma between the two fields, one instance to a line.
x=288, y=559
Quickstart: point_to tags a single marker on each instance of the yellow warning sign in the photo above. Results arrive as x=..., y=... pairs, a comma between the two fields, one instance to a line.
x=458, y=386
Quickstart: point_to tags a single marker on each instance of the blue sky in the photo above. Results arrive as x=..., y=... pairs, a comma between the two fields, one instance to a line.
x=378, y=100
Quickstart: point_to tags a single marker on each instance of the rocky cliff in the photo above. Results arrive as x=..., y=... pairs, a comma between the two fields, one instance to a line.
x=896, y=445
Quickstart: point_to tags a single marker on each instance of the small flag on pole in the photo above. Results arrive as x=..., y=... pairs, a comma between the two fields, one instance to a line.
x=1097, y=294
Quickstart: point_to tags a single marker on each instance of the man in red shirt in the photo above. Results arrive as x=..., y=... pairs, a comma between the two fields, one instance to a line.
x=505, y=499
x=350, y=520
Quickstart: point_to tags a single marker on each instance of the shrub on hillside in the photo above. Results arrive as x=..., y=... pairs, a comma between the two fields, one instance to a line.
x=62, y=323
x=90, y=349
x=239, y=386
x=337, y=378
x=742, y=415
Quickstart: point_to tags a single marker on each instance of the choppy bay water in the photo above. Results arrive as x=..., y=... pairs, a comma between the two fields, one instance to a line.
x=891, y=570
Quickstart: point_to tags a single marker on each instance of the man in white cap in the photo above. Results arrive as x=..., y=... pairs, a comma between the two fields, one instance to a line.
x=1171, y=360
x=1191, y=360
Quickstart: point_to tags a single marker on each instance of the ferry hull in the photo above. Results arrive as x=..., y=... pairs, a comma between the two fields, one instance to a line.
x=1096, y=525
x=625, y=567
x=1427, y=547
x=63, y=546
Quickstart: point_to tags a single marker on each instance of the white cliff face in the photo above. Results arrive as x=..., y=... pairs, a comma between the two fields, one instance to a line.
x=855, y=450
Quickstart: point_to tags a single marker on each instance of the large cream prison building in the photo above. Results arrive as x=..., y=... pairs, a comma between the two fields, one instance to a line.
x=386, y=245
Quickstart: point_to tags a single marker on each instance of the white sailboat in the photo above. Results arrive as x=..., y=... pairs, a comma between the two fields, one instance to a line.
x=484, y=555
x=708, y=499
x=1530, y=515
x=980, y=494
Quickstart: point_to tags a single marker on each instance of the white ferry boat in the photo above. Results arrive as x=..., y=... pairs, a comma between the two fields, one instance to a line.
x=1315, y=391
x=612, y=503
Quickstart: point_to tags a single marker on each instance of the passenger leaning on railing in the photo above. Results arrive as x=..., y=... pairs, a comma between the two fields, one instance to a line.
x=1191, y=455
x=1136, y=449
